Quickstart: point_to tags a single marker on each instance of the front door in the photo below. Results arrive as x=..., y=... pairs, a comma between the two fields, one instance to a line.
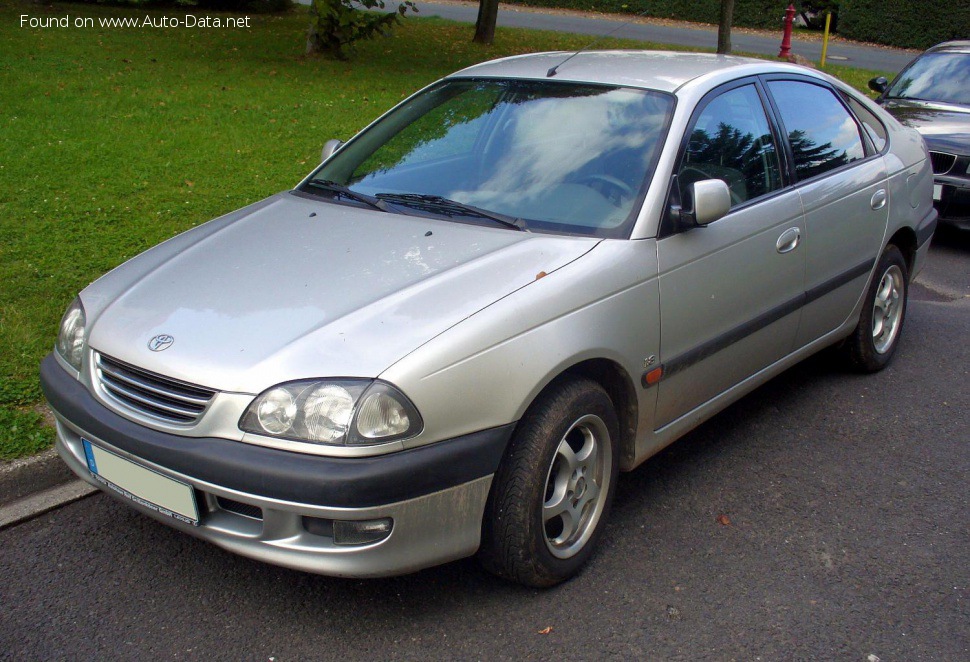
x=730, y=291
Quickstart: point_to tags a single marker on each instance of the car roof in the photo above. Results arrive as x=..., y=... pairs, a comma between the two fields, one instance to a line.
x=951, y=47
x=657, y=70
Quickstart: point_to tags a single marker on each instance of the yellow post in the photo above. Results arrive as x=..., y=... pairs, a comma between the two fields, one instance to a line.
x=825, y=38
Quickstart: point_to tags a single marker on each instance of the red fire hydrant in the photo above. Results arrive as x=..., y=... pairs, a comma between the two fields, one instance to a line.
x=786, y=39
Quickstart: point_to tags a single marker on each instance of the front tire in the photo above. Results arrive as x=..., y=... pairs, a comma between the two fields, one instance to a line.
x=871, y=346
x=552, y=493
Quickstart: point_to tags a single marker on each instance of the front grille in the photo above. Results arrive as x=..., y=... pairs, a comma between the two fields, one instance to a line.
x=152, y=395
x=942, y=162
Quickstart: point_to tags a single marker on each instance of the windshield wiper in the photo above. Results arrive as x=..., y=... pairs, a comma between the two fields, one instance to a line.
x=437, y=204
x=341, y=190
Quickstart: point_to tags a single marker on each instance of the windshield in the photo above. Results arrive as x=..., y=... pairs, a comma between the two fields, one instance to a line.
x=943, y=77
x=542, y=155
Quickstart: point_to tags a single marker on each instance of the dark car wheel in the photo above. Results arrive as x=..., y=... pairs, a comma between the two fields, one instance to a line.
x=552, y=493
x=873, y=343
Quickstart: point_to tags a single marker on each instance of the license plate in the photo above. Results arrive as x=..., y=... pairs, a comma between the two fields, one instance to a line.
x=142, y=485
x=937, y=191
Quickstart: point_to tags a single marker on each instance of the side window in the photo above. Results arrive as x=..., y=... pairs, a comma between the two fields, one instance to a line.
x=822, y=133
x=874, y=128
x=732, y=141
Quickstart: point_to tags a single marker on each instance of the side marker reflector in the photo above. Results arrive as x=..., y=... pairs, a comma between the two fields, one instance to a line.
x=652, y=377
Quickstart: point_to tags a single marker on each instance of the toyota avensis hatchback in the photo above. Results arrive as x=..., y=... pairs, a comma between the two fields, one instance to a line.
x=453, y=334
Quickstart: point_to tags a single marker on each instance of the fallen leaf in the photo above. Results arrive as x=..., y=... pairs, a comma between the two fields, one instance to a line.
x=546, y=630
x=723, y=520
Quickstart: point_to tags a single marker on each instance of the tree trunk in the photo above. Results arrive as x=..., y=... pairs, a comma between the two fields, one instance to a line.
x=485, y=25
x=724, y=27
x=313, y=31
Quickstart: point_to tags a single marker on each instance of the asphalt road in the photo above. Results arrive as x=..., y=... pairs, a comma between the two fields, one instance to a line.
x=847, y=500
x=865, y=57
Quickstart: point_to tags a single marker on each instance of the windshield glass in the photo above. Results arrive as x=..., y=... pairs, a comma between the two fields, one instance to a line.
x=943, y=77
x=552, y=156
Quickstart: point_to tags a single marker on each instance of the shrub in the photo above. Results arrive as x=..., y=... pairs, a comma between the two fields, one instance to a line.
x=336, y=24
x=904, y=23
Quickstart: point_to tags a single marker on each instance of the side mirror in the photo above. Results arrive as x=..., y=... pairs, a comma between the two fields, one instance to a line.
x=879, y=84
x=710, y=200
x=329, y=148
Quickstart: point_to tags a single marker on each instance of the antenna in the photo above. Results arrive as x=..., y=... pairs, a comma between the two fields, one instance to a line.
x=552, y=71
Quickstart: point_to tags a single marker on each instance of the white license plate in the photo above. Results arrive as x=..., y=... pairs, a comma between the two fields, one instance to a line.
x=937, y=191
x=142, y=485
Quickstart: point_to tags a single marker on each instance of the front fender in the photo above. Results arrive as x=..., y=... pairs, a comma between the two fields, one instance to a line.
x=487, y=370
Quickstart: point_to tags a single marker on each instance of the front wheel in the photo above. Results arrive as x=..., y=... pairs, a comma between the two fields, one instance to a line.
x=873, y=343
x=552, y=493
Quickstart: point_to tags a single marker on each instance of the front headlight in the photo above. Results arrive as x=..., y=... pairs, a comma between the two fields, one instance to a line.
x=333, y=411
x=70, y=338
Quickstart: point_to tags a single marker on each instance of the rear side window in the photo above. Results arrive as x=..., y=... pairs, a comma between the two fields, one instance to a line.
x=822, y=133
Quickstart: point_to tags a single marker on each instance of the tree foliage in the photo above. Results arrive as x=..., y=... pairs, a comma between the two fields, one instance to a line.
x=337, y=24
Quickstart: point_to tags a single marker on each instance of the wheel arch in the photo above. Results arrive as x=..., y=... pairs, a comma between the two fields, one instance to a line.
x=905, y=240
x=615, y=380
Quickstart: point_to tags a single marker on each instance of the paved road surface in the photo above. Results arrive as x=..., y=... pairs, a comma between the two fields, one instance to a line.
x=849, y=536
x=865, y=57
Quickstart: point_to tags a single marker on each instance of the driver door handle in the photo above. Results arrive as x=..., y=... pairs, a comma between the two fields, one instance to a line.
x=788, y=241
x=878, y=199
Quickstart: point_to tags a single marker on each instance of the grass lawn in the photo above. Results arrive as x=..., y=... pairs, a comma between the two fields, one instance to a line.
x=114, y=139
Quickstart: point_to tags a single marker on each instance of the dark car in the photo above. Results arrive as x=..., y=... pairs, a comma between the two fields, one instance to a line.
x=932, y=95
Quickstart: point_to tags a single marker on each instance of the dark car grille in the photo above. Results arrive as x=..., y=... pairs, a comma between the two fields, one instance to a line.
x=942, y=162
x=152, y=395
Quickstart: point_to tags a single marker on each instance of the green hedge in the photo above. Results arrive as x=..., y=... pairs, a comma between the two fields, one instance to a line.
x=905, y=23
x=900, y=23
x=767, y=14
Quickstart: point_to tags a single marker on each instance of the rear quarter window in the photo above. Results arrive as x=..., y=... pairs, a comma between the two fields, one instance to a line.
x=874, y=128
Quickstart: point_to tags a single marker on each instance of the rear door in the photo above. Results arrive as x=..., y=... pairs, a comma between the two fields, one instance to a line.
x=842, y=182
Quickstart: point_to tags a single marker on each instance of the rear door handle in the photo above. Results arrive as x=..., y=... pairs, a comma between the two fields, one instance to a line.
x=788, y=241
x=878, y=199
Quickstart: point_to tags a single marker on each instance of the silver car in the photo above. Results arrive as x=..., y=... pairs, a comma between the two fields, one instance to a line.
x=453, y=334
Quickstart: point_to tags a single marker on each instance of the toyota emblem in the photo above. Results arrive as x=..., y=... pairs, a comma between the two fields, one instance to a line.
x=161, y=342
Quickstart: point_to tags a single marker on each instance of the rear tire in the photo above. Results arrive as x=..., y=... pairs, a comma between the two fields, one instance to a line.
x=871, y=346
x=552, y=493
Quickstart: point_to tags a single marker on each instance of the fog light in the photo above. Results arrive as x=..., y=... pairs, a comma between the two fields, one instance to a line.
x=361, y=532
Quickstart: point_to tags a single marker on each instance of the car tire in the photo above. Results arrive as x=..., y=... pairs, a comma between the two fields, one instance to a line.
x=871, y=346
x=551, y=495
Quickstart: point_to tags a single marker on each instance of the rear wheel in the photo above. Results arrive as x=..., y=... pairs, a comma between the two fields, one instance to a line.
x=873, y=343
x=552, y=493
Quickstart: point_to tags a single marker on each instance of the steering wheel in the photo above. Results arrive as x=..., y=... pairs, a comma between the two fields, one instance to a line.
x=693, y=177
x=612, y=188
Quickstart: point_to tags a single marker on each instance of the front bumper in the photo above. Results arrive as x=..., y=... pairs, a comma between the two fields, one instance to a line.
x=954, y=202
x=434, y=494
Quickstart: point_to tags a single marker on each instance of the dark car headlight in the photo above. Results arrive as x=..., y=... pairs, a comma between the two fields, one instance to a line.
x=344, y=412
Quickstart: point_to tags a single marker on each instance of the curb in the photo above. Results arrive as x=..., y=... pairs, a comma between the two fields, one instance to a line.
x=39, y=503
x=23, y=478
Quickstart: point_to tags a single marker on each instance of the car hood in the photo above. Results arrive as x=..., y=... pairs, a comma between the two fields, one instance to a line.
x=944, y=126
x=297, y=288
